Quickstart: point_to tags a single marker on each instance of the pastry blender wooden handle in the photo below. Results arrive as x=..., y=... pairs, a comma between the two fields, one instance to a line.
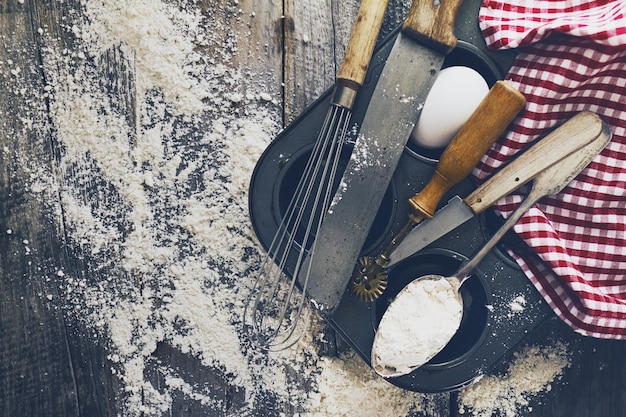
x=480, y=131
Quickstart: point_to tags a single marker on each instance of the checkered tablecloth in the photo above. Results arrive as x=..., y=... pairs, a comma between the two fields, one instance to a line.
x=572, y=57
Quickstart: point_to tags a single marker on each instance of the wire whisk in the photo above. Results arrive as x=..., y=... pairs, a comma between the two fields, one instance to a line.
x=274, y=309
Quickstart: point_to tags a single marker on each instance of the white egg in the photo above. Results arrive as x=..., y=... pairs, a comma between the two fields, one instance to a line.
x=454, y=96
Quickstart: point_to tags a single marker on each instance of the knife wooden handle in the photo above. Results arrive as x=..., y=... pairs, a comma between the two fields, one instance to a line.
x=570, y=137
x=492, y=116
x=361, y=43
x=432, y=22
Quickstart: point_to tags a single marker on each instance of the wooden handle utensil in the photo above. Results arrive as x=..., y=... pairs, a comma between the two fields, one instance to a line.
x=432, y=22
x=362, y=41
x=495, y=112
x=482, y=129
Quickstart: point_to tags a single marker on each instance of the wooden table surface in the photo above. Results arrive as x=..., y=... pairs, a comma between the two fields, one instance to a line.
x=49, y=365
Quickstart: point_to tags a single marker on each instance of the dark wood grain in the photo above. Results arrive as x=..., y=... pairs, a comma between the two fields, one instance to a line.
x=45, y=367
x=35, y=367
x=594, y=383
x=50, y=364
x=591, y=386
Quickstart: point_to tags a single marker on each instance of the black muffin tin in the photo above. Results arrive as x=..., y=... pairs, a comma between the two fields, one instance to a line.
x=490, y=325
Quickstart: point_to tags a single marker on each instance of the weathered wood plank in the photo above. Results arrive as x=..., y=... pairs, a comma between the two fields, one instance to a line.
x=594, y=383
x=315, y=38
x=239, y=30
x=39, y=373
x=310, y=60
x=254, y=29
x=57, y=369
x=35, y=371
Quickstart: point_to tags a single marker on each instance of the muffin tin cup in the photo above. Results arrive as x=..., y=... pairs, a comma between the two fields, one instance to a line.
x=286, y=184
x=491, y=325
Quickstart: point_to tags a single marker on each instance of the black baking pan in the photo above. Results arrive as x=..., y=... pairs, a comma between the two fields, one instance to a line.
x=490, y=326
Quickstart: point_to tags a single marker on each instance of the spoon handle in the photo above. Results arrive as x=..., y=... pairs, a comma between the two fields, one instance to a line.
x=548, y=182
x=535, y=194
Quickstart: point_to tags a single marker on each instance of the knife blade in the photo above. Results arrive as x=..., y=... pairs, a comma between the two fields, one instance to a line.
x=572, y=136
x=416, y=57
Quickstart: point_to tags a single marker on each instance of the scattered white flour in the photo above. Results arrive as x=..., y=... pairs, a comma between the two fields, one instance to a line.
x=346, y=379
x=156, y=127
x=157, y=124
x=518, y=304
x=531, y=372
x=418, y=323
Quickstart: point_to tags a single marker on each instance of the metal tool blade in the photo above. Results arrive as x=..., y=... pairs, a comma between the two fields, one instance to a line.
x=576, y=136
x=448, y=218
x=398, y=98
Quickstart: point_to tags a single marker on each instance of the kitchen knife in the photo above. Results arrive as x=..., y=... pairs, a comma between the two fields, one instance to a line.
x=573, y=136
x=417, y=55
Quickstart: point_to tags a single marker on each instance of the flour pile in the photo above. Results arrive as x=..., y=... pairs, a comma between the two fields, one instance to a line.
x=157, y=133
x=417, y=325
x=530, y=374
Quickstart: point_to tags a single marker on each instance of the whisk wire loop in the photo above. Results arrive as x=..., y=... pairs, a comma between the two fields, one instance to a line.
x=273, y=313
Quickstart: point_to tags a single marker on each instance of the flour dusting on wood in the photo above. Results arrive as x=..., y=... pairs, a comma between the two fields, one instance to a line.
x=157, y=135
x=531, y=373
x=156, y=128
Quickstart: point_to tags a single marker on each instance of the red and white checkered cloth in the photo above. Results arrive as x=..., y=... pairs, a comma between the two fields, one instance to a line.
x=572, y=57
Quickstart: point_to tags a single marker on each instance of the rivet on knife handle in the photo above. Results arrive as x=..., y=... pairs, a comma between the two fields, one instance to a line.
x=432, y=22
x=485, y=125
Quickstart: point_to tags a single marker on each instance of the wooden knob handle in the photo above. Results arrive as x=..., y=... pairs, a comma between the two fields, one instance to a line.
x=432, y=22
x=484, y=126
x=361, y=43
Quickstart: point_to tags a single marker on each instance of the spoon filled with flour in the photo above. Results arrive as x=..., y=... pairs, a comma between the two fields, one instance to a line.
x=416, y=326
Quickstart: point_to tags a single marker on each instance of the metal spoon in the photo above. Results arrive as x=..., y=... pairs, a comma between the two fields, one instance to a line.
x=550, y=181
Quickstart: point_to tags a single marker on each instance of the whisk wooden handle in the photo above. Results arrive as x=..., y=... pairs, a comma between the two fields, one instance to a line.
x=361, y=43
x=484, y=126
